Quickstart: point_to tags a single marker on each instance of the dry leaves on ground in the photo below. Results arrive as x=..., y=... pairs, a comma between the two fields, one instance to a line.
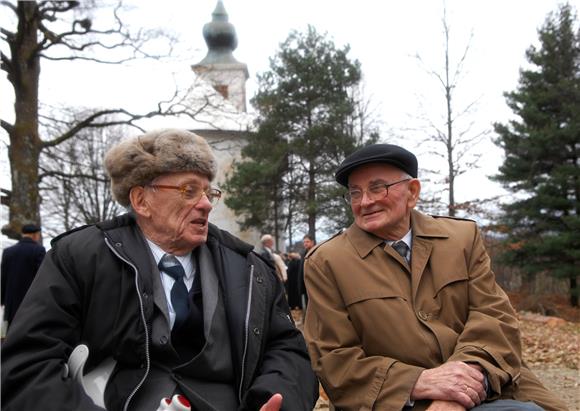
x=550, y=343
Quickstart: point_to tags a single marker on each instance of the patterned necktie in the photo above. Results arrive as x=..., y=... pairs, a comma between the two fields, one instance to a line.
x=402, y=248
x=179, y=295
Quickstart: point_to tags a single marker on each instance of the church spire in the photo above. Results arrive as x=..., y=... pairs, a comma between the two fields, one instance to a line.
x=220, y=37
x=219, y=67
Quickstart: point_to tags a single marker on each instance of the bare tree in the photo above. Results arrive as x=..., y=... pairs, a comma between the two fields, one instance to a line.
x=457, y=141
x=75, y=187
x=65, y=31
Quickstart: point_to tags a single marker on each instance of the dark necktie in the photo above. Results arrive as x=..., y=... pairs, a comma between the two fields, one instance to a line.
x=179, y=295
x=402, y=248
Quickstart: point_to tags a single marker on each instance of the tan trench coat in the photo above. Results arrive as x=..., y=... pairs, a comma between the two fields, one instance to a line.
x=373, y=323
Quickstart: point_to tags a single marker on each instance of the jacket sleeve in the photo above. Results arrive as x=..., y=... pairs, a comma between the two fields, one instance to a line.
x=491, y=336
x=285, y=365
x=353, y=379
x=3, y=277
x=39, y=254
x=39, y=342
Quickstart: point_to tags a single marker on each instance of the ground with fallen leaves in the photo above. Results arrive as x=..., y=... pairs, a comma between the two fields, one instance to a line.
x=552, y=351
x=551, y=348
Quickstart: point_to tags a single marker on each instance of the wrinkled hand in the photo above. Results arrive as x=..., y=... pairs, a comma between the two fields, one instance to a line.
x=273, y=404
x=453, y=381
x=440, y=405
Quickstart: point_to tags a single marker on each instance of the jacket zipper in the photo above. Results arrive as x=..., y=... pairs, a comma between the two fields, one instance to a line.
x=142, y=312
x=246, y=333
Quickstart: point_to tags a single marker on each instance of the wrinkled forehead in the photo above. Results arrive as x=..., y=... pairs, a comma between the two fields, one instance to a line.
x=374, y=173
x=183, y=177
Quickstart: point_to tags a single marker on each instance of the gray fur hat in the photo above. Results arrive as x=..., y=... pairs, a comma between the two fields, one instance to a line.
x=139, y=160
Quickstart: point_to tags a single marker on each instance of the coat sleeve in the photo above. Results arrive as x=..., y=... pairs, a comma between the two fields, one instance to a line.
x=39, y=254
x=353, y=379
x=39, y=342
x=491, y=336
x=284, y=365
x=4, y=276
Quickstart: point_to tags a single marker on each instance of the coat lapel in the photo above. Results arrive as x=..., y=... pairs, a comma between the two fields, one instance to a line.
x=364, y=243
x=425, y=230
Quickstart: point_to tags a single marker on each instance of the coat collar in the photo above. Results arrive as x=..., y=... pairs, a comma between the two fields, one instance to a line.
x=424, y=226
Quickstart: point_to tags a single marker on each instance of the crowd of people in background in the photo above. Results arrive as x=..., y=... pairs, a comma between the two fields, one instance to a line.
x=290, y=268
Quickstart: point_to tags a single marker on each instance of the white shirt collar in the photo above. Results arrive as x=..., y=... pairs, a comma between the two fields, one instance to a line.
x=407, y=239
x=185, y=260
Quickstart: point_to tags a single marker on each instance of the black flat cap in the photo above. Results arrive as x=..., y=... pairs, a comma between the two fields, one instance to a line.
x=377, y=153
x=29, y=229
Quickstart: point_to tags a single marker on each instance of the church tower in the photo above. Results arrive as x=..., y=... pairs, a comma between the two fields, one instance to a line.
x=226, y=78
x=219, y=67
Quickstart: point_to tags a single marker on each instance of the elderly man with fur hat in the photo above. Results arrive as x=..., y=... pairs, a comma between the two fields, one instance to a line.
x=181, y=308
x=404, y=312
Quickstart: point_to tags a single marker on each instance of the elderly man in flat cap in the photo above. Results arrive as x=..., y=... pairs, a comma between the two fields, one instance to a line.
x=404, y=311
x=185, y=310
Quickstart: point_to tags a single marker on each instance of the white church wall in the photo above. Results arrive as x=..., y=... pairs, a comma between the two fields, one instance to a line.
x=227, y=151
x=233, y=76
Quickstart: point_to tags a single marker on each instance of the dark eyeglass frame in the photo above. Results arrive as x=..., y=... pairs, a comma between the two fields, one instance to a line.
x=374, y=197
x=190, y=192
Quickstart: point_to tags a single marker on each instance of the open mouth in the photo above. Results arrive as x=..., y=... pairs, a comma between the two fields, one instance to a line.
x=200, y=221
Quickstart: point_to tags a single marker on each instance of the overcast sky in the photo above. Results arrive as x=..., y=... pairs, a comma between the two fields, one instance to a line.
x=384, y=36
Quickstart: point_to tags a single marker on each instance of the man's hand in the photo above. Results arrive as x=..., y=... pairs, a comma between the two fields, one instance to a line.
x=273, y=404
x=453, y=381
x=440, y=405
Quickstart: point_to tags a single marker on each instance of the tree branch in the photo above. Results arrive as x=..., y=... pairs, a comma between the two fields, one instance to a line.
x=7, y=126
x=9, y=5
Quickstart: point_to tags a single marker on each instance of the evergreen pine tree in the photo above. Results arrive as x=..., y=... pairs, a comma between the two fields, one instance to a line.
x=542, y=150
x=309, y=120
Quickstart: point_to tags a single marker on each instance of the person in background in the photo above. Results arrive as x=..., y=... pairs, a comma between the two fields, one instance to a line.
x=273, y=258
x=20, y=263
x=293, y=286
x=308, y=242
x=183, y=307
x=404, y=310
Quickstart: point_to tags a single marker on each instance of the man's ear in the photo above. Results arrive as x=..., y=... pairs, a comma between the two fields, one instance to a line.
x=414, y=191
x=139, y=202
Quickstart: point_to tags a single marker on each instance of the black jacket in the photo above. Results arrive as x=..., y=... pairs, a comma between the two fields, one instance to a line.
x=20, y=263
x=95, y=287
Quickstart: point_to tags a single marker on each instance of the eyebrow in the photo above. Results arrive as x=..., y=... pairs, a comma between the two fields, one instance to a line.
x=371, y=183
x=190, y=182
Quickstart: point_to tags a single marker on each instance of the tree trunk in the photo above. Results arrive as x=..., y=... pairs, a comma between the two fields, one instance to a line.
x=312, y=202
x=449, y=139
x=573, y=292
x=276, y=219
x=25, y=143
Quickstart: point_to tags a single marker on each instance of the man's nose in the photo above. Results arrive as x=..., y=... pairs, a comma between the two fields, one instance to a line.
x=204, y=202
x=366, y=199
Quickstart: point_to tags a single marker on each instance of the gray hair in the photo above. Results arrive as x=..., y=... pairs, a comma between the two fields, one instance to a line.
x=139, y=160
x=266, y=237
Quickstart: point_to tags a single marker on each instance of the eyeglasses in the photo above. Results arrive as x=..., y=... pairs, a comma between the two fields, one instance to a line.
x=374, y=192
x=193, y=193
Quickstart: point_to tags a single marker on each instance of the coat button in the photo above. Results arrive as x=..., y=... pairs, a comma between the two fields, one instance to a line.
x=163, y=340
x=423, y=315
x=118, y=244
x=259, y=279
x=256, y=331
